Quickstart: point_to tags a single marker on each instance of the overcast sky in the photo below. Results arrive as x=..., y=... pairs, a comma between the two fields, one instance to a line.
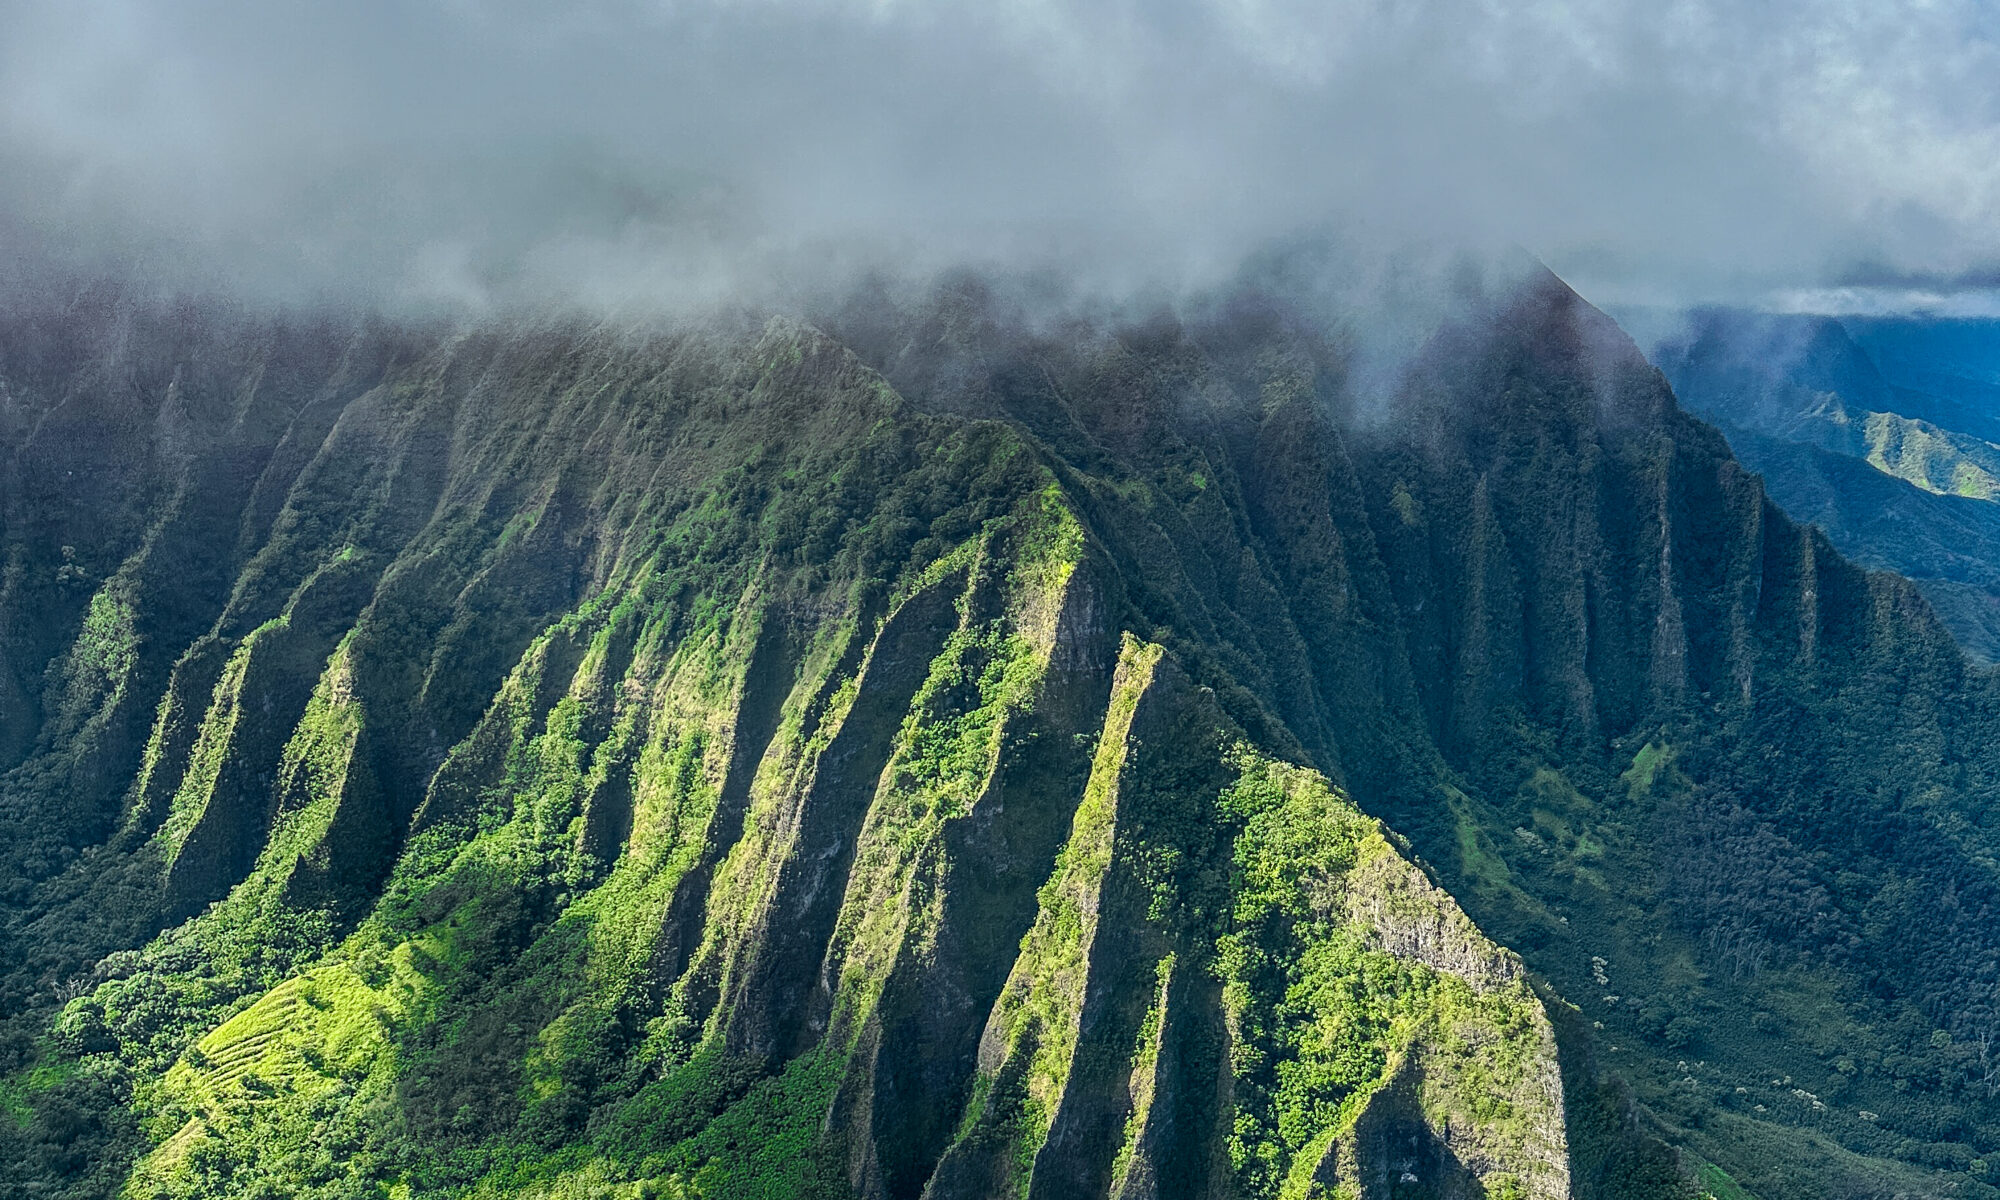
x=1801, y=154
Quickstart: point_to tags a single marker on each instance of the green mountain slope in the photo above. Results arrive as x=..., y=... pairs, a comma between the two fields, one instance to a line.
x=930, y=753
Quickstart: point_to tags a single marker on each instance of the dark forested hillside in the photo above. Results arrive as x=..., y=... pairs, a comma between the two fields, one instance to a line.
x=925, y=751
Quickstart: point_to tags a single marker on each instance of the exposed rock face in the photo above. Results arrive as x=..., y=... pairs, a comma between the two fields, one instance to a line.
x=1409, y=916
x=1418, y=1123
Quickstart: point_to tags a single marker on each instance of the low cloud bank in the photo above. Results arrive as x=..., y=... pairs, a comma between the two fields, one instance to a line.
x=468, y=153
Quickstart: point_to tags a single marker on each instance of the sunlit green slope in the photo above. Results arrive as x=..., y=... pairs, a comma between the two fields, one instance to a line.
x=927, y=752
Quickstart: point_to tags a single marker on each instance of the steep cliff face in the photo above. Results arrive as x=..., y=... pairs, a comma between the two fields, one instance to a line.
x=1901, y=479
x=689, y=750
x=917, y=755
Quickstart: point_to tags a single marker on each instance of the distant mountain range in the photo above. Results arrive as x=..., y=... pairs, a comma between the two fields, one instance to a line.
x=1885, y=432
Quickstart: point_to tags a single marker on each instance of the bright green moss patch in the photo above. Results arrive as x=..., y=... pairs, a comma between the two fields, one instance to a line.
x=105, y=650
x=1717, y=1184
x=1652, y=758
x=1477, y=858
x=17, y=1092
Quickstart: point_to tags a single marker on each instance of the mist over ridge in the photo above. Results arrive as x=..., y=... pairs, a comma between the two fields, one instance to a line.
x=469, y=154
x=882, y=600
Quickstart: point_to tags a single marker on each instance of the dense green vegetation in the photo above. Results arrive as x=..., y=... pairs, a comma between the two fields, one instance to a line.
x=933, y=752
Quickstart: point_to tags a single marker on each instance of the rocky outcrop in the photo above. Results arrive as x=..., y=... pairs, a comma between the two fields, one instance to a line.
x=1411, y=917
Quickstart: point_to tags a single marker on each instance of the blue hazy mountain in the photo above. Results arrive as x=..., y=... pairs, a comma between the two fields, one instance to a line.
x=1883, y=431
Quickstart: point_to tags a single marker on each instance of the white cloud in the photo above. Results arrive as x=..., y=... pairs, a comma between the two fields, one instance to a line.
x=1690, y=149
x=1974, y=303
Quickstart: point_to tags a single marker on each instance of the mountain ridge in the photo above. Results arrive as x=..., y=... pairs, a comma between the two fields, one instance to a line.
x=1793, y=390
x=699, y=754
